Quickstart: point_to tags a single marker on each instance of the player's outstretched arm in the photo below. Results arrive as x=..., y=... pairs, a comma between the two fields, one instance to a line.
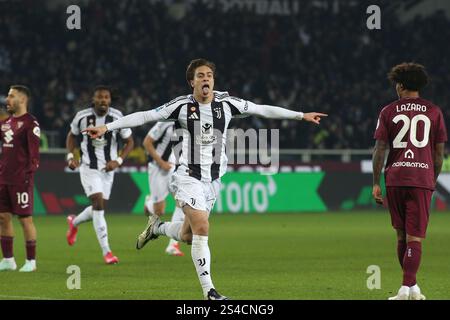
x=314, y=117
x=274, y=112
x=377, y=163
x=132, y=120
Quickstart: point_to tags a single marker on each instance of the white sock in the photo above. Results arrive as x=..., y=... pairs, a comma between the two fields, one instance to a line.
x=201, y=257
x=170, y=229
x=178, y=214
x=85, y=215
x=149, y=204
x=101, y=230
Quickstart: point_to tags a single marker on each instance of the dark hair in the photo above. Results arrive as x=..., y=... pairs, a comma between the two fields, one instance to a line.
x=194, y=64
x=412, y=76
x=102, y=87
x=22, y=89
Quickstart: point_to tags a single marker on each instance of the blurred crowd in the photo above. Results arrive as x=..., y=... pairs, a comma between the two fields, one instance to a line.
x=319, y=59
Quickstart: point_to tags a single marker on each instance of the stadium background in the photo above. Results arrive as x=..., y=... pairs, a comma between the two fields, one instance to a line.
x=306, y=55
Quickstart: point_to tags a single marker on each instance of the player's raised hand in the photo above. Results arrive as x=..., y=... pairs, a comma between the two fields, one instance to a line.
x=376, y=193
x=314, y=117
x=95, y=132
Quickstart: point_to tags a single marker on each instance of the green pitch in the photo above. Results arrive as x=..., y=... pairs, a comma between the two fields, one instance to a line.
x=289, y=256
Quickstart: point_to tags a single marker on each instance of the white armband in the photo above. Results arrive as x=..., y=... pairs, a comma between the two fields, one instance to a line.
x=69, y=156
x=119, y=160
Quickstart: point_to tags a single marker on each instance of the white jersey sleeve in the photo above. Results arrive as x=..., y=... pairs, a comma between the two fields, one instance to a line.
x=157, y=130
x=125, y=133
x=166, y=112
x=75, y=124
x=242, y=108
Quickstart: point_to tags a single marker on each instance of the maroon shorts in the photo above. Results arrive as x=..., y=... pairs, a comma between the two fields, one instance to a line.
x=17, y=199
x=410, y=209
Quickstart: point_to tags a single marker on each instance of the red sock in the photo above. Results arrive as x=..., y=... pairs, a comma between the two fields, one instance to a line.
x=31, y=249
x=401, y=248
x=411, y=263
x=7, y=246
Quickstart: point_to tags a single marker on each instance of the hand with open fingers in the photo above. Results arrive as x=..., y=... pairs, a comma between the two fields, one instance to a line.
x=376, y=193
x=314, y=117
x=95, y=132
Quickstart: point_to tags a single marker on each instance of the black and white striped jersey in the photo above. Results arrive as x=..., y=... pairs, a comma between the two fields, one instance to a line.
x=95, y=153
x=202, y=129
x=163, y=137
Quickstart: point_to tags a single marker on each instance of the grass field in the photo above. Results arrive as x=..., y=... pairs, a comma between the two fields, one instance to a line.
x=289, y=256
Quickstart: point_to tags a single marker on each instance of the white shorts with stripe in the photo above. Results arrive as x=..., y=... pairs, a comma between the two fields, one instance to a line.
x=96, y=181
x=193, y=192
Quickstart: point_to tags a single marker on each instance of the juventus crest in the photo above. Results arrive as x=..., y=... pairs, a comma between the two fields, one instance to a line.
x=218, y=112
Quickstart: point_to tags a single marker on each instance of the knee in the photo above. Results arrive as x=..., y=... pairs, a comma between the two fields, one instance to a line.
x=202, y=228
x=25, y=222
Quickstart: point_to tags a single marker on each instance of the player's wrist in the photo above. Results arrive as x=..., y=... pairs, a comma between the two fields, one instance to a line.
x=300, y=116
x=119, y=160
x=69, y=157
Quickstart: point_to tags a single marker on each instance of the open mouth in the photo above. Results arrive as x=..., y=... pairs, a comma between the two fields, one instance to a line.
x=205, y=89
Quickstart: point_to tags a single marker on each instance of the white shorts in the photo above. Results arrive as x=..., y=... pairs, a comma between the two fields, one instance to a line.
x=197, y=194
x=96, y=181
x=158, y=182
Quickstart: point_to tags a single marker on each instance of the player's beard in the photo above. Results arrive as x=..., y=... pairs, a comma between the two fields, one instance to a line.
x=12, y=109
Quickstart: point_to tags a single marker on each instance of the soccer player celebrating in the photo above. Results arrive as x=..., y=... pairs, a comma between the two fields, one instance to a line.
x=204, y=117
x=158, y=144
x=19, y=160
x=414, y=131
x=99, y=159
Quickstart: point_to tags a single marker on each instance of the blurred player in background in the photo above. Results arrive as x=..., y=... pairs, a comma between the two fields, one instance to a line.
x=158, y=144
x=414, y=131
x=204, y=117
x=19, y=160
x=99, y=159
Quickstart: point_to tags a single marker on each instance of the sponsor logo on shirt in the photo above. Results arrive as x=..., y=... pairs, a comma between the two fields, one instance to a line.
x=207, y=137
x=408, y=164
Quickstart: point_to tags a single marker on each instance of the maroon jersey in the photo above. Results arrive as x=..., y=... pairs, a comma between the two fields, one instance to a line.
x=412, y=127
x=19, y=157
